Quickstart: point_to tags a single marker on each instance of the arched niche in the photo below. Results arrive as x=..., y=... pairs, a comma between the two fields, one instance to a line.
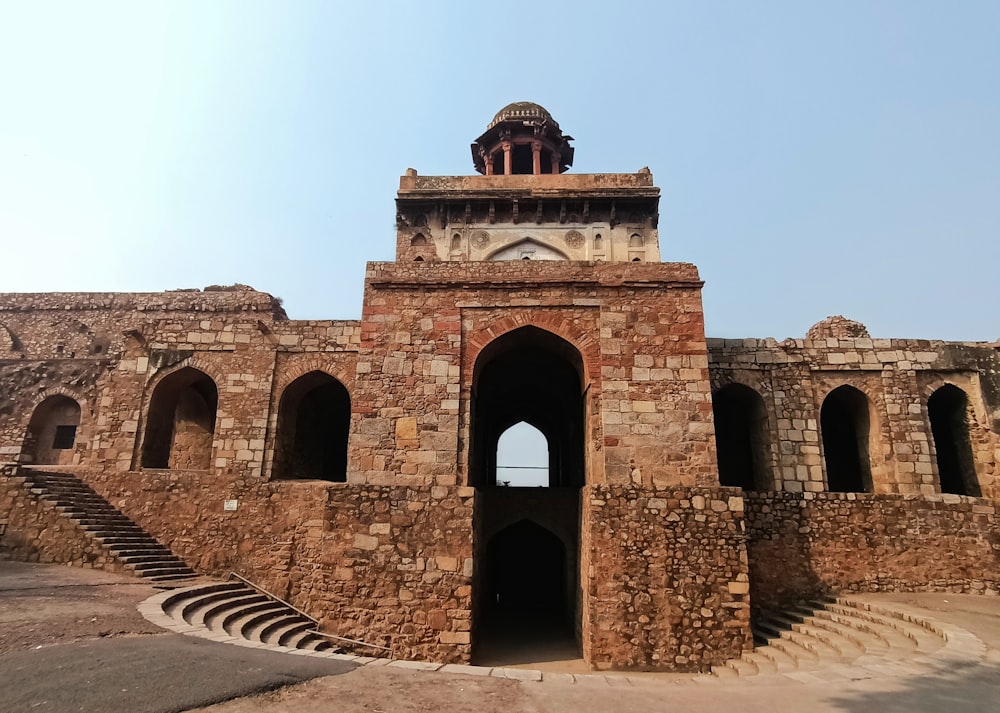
x=52, y=431
x=845, y=423
x=314, y=418
x=742, y=438
x=180, y=425
x=947, y=410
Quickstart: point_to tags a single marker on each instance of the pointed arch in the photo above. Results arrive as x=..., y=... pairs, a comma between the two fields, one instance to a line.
x=180, y=421
x=314, y=418
x=845, y=422
x=52, y=431
x=947, y=411
x=742, y=438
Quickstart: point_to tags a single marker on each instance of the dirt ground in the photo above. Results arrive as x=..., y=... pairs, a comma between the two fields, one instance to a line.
x=44, y=605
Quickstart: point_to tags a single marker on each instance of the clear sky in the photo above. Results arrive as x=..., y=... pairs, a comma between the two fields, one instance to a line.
x=815, y=158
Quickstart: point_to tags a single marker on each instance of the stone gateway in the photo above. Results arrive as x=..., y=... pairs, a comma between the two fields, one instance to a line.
x=351, y=468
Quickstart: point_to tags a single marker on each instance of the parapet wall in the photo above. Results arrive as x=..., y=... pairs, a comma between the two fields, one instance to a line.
x=805, y=544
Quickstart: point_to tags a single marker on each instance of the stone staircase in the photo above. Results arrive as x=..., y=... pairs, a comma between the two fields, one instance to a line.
x=237, y=611
x=837, y=632
x=128, y=543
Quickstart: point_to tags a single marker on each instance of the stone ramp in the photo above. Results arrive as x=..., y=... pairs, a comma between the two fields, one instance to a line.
x=119, y=536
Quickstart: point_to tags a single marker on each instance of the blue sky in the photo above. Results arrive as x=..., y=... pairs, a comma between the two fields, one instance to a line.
x=814, y=158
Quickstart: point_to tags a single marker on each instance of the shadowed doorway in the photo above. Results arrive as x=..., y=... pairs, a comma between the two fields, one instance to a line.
x=527, y=522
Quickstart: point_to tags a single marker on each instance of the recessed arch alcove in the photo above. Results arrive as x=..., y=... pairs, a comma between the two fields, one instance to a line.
x=947, y=410
x=314, y=417
x=845, y=422
x=532, y=377
x=180, y=421
x=742, y=438
x=52, y=431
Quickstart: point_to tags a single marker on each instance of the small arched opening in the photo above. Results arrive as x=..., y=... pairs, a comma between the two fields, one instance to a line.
x=742, y=439
x=314, y=418
x=947, y=409
x=180, y=426
x=418, y=241
x=845, y=422
x=52, y=431
x=522, y=457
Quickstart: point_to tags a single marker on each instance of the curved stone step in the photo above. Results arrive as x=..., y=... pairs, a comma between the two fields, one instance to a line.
x=843, y=636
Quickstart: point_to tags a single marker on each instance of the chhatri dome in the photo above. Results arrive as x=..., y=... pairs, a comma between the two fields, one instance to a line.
x=523, y=138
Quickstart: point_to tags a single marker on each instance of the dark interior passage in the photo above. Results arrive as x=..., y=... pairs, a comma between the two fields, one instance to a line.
x=845, y=423
x=526, y=570
x=526, y=581
x=742, y=438
x=180, y=423
x=947, y=409
x=314, y=418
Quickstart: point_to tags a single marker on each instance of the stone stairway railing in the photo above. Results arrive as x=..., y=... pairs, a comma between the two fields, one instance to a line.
x=115, y=533
x=237, y=610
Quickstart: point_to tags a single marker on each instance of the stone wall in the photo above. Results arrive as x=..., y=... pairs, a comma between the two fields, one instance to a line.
x=389, y=565
x=668, y=584
x=896, y=376
x=806, y=544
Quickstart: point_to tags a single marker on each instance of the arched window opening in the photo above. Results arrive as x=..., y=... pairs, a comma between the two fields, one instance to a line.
x=418, y=258
x=947, y=409
x=52, y=431
x=418, y=240
x=742, y=438
x=180, y=426
x=314, y=418
x=456, y=242
x=522, y=457
x=635, y=241
x=598, y=242
x=845, y=423
x=635, y=259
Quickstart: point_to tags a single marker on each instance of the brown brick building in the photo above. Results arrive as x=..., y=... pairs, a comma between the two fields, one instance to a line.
x=350, y=466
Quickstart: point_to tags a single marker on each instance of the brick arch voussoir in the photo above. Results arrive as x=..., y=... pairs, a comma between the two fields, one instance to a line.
x=565, y=329
x=326, y=366
x=208, y=369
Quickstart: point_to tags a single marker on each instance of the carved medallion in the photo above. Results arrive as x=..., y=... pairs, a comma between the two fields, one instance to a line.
x=574, y=239
x=480, y=239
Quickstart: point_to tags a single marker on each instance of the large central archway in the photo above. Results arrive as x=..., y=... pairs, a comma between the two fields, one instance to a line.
x=526, y=583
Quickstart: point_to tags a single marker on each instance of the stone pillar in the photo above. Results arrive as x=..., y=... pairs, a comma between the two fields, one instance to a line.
x=507, y=167
x=488, y=161
x=536, y=158
x=555, y=163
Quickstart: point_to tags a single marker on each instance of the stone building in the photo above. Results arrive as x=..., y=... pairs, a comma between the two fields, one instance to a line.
x=350, y=466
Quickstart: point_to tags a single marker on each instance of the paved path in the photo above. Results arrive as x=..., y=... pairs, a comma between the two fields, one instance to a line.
x=148, y=674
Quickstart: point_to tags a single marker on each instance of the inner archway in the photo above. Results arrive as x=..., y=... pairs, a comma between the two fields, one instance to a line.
x=527, y=529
